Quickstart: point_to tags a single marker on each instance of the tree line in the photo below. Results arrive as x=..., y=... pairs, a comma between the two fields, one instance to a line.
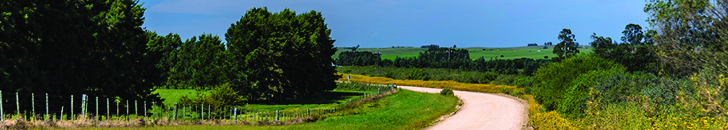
x=445, y=58
x=99, y=48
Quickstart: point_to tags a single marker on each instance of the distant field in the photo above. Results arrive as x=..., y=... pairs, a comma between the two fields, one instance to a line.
x=475, y=52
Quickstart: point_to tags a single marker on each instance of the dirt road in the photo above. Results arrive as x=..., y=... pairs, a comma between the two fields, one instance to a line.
x=481, y=111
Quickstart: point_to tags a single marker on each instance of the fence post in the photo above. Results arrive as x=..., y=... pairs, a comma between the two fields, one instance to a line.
x=202, y=110
x=97, y=108
x=308, y=112
x=145, y=109
x=175, y=111
x=154, y=116
x=32, y=102
x=47, y=116
x=108, y=115
x=83, y=103
x=276, y=115
x=117, y=109
x=235, y=114
x=17, y=102
x=2, y=115
x=127, y=110
x=136, y=109
x=183, y=112
x=61, y=116
x=209, y=114
x=71, y=113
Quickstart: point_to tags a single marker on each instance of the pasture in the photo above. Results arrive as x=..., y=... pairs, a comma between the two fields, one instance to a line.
x=533, y=52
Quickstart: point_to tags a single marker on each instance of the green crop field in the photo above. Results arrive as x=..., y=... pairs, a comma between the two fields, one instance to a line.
x=533, y=52
x=403, y=110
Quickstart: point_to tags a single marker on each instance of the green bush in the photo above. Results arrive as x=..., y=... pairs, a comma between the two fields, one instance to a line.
x=418, y=74
x=447, y=92
x=221, y=95
x=555, y=78
x=577, y=94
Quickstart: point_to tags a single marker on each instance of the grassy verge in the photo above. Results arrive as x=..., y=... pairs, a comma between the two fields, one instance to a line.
x=402, y=110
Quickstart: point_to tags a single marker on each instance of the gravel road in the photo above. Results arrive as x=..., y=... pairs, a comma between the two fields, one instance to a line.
x=481, y=111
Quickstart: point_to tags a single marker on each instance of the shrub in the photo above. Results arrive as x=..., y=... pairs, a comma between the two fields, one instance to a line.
x=447, y=92
x=577, y=95
x=221, y=95
x=556, y=77
x=418, y=74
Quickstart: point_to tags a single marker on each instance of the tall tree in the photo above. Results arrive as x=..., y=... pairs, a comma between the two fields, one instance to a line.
x=567, y=47
x=281, y=56
x=633, y=34
x=692, y=35
x=73, y=47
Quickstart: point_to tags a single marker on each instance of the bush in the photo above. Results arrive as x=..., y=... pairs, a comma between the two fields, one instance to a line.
x=221, y=95
x=556, y=77
x=418, y=74
x=447, y=92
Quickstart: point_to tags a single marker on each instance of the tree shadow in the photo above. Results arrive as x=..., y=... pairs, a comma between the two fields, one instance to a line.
x=322, y=98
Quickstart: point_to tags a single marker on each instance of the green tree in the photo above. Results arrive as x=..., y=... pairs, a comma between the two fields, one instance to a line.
x=691, y=35
x=567, y=47
x=633, y=34
x=282, y=56
x=73, y=47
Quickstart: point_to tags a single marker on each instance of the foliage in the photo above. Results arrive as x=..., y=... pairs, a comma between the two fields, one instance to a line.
x=550, y=121
x=691, y=35
x=280, y=56
x=361, y=58
x=197, y=63
x=555, y=78
x=77, y=47
x=634, y=53
x=567, y=47
x=447, y=92
x=222, y=95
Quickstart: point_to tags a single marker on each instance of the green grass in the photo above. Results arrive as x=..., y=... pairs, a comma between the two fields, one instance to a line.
x=323, y=100
x=403, y=110
x=173, y=95
x=475, y=52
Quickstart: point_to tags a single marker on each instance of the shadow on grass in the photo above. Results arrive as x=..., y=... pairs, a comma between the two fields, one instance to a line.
x=322, y=98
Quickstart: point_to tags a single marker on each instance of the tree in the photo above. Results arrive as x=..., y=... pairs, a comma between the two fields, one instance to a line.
x=280, y=57
x=74, y=47
x=691, y=35
x=566, y=47
x=633, y=34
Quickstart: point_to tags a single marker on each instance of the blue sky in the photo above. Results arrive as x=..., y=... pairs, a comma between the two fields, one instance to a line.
x=386, y=23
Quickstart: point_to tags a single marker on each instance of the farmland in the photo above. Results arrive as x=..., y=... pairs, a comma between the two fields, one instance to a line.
x=533, y=52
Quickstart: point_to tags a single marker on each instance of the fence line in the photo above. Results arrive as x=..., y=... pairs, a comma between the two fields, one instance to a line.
x=168, y=112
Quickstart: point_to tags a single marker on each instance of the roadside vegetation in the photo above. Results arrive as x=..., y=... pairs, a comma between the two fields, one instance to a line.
x=402, y=110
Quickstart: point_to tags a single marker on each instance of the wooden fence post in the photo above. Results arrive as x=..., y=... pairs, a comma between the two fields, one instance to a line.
x=145, y=109
x=127, y=110
x=202, y=108
x=154, y=115
x=2, y=115
x=108, y=115
x=61, y=116
x=17, y=102
x=183, y=112
x=47, y=116
x=97, y=108
x=71, y=113
x=136, y=109
x=276, y=115
x=175, y=111
x=32, y=104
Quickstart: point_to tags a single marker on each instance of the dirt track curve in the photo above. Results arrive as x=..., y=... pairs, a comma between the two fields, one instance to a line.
x=481, y=111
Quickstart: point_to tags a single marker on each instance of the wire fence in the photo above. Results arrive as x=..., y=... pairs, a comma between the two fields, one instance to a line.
x=42, y=106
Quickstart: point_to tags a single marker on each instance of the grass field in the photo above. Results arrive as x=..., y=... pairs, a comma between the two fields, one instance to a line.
x=475, y=52
x=403, y=110
x=325, y=100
